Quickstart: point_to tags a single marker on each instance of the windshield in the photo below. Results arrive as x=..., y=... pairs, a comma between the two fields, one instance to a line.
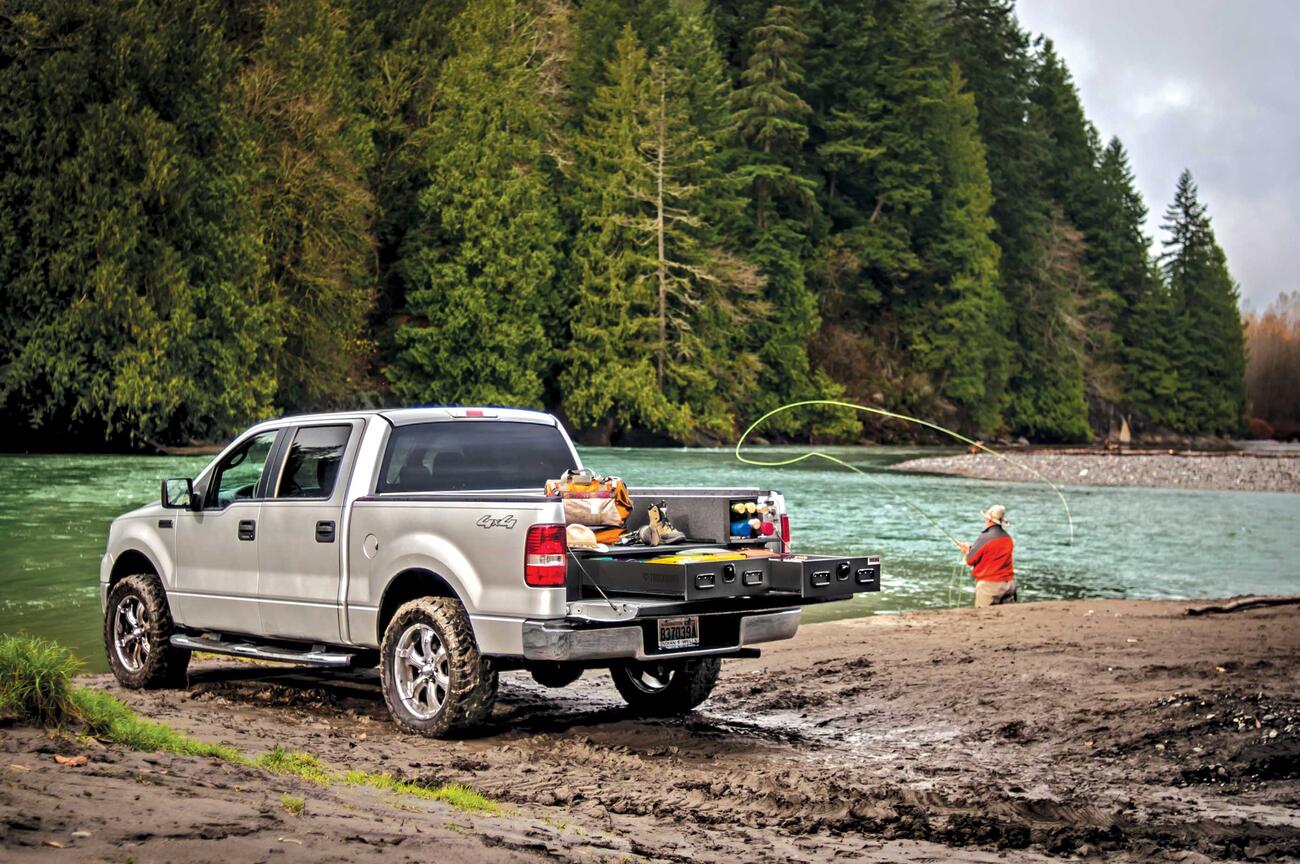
x=459, y=456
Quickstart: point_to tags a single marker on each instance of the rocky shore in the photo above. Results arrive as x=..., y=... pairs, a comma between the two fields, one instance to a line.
x=1081, y=730
x=1227, y=471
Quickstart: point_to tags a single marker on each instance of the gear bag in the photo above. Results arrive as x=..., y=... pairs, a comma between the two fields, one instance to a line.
x=589, y=499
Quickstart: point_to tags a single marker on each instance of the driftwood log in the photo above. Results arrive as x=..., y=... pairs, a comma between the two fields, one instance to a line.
x=1243, y=603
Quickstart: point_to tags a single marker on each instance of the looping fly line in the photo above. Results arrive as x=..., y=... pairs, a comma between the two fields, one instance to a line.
x=896, y=416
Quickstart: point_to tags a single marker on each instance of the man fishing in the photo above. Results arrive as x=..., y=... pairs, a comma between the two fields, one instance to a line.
x=990, y=560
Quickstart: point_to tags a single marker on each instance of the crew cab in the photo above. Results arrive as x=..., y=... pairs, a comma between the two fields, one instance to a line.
x=421, y=541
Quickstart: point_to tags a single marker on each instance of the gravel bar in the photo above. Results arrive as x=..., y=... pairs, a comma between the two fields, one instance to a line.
x=1235, y=471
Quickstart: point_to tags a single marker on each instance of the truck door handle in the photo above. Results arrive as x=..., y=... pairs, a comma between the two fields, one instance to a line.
x=324, y=532
x=247, y=529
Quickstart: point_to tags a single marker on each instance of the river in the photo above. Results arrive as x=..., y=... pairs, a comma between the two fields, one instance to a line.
x=1129, y=542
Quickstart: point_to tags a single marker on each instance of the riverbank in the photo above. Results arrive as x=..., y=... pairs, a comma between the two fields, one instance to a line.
x=1223, y=471
x=1120, y=729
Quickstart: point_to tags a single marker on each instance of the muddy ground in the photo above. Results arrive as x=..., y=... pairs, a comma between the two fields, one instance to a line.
x=1113, y=729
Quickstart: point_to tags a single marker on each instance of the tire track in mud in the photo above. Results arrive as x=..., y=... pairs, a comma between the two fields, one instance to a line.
x=738, y=765
x=928, y=729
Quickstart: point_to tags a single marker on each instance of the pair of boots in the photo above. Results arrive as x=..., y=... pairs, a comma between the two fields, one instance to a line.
x=659, y=532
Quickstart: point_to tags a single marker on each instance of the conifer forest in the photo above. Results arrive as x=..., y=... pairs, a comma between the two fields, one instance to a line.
x=658, y=218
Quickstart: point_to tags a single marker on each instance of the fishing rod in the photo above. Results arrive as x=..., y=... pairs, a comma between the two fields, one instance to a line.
x=896, y=416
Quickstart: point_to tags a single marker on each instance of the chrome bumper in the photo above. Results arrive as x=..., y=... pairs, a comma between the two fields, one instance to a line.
x=555, y=641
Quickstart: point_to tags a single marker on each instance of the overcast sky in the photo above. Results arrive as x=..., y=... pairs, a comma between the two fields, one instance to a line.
x=1210, y=86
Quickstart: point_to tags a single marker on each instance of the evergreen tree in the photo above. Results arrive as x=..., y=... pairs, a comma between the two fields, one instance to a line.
x=313, y=205
x=1047, y=398
x=1142, y=313
x=772, y=116
x=655, y=260
x=129, y=262
x=396, y=48
x=1034, y=233
x=772, y=122
x=992, y=53
x=951, y=328
x=478, y=274
x=1211, y=358
x=598, y=25
x=609, y=378
x=1073, y=179
x=910, y=275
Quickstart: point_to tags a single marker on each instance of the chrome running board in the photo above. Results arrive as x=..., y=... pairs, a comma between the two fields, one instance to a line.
x=261, y=652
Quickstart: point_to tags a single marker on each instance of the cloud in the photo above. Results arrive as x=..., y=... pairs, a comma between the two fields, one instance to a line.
x=1210, y=86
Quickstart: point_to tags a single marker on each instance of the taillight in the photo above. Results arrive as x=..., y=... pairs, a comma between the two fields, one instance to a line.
x=544, y=554
x=785, y=535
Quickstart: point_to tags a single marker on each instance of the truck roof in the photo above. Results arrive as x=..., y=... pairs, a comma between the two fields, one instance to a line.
x=427, y=414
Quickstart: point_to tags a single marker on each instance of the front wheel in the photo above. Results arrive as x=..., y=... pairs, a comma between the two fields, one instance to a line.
x=434, y=679
x=137, y=636
x=666, y=687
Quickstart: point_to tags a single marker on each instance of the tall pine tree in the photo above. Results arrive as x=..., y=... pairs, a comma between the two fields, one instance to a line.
x=478, y=274
x=772, y=119
x=1072, y=176
x=1211, y=360
x=313, y=204
x=658, y=295
x=951, y=320
x=1141, y=310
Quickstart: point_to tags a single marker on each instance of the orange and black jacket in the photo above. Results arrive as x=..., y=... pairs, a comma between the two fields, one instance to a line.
x=990, y=557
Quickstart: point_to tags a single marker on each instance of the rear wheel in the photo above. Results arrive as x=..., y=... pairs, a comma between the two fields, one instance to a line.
x=137, y=635
x=666, y=687
x=435, y=681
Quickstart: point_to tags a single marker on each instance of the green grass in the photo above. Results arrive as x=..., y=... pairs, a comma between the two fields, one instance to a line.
x=298, y=764
x=36, y=680
x=458, y=796
x=108, y=718
x=295, y=764
x=36, y=685
x=292, y=804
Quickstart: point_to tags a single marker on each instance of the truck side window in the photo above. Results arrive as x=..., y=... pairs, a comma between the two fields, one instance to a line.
x=462, y=456
x=236, y=477
x=312, y=466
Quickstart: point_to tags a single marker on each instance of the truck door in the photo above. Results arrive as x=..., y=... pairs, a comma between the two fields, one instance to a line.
x=299, y=550
x=216, y=546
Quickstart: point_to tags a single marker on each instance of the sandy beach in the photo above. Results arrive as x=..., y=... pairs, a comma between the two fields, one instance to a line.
x=1117, y=729
x=1228, y=471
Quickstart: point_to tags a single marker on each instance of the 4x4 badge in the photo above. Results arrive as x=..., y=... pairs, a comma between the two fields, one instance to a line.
x=497, y=522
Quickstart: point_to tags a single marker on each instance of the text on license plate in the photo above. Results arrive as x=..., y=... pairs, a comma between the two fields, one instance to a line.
x=679, y=632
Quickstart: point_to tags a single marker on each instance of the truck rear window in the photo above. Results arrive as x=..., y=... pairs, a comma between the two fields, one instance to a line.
x=454, y=456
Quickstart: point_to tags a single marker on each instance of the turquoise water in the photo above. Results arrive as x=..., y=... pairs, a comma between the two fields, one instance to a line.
x=1163, y=543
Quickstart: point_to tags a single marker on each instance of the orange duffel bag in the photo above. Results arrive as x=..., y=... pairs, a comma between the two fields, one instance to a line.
x=589, y=499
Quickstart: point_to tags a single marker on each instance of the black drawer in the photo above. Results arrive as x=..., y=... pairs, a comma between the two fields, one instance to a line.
x=699, y=580
x=823, y=576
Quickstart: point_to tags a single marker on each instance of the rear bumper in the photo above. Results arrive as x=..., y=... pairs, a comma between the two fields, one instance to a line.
x=564, y=641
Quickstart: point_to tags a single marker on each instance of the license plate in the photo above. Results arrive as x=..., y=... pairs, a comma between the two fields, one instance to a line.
x=679, y=632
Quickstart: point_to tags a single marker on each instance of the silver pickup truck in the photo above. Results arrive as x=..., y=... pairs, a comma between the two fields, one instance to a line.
x=420, y=541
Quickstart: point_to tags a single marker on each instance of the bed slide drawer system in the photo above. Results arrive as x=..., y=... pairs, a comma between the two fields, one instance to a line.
x=689, y=577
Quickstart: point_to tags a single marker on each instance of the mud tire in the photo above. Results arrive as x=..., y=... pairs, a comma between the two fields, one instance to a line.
x=690, y=684
x=472, y=691
x=165, y=665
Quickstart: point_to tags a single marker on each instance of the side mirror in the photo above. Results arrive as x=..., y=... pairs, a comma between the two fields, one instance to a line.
x=178, y=493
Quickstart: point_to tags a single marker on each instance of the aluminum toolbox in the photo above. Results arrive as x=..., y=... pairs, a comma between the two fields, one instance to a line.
x=823, y=576
x=700, y=580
